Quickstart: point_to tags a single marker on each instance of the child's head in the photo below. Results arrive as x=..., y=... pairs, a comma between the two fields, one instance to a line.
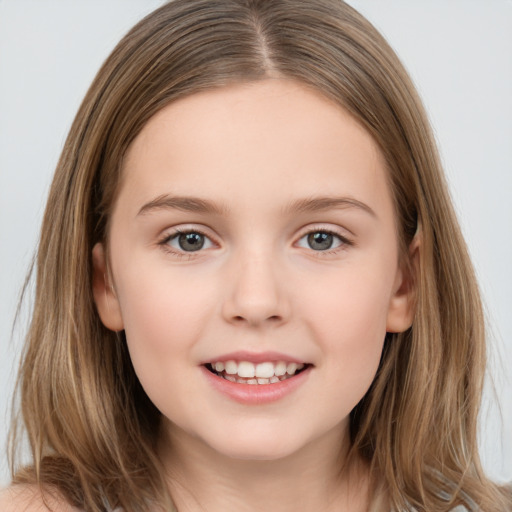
x=254, y=224
x=329, y=65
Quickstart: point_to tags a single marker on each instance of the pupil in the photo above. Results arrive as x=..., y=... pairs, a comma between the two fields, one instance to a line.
x=191, y=241
x=320, y=241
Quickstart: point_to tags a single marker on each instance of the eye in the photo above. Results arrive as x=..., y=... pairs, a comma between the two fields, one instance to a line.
x=187, y=241
x=322, y=240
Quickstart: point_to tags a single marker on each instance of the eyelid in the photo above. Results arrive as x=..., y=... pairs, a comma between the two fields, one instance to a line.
x=343, y=233
x=172, y=232
x=175, y=231
x=340, y=233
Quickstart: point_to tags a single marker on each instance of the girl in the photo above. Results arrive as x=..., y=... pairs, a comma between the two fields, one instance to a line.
x=252, y=291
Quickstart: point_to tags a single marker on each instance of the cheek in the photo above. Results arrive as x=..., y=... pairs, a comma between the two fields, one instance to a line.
x=347, y=317
x=163, y=317
x=352, y=302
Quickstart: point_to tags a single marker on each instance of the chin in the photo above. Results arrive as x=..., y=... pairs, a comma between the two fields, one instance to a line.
x=256, y=453
x=261, y=447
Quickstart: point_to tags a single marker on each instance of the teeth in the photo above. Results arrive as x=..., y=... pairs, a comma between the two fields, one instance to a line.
x=246, y=369
x=246, y=372
x=291, y=368
x=231, y=367
x=280, y=368
x=265, y=370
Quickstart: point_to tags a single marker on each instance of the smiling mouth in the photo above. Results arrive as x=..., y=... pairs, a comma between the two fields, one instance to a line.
x=245, y=372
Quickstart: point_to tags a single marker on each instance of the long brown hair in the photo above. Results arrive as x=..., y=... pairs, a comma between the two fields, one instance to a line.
x=91, y=428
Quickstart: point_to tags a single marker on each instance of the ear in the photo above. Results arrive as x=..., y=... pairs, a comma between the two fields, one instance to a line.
x=103, y=291
x=402, y=305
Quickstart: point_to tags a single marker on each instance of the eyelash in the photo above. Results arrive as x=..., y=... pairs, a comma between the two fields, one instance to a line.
x=164, y=242
x=343, y=240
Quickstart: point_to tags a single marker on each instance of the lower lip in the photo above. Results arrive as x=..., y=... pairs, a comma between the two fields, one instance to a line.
x=254, y=394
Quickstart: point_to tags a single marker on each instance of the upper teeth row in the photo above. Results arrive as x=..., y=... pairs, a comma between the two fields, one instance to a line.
x=264, y=370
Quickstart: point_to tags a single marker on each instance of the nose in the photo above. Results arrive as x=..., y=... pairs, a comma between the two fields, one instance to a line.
x=256, y=292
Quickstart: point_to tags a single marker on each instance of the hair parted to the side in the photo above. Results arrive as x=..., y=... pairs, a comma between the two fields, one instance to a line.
x=92, y=429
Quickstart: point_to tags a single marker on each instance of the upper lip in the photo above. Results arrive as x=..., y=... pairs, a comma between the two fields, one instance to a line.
x=254, y=357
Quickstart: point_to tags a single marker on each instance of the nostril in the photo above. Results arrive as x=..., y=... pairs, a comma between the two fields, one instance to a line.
x=255, y=301
x=273, y=318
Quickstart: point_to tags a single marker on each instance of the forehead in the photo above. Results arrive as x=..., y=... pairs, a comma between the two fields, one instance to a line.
x=274, y=139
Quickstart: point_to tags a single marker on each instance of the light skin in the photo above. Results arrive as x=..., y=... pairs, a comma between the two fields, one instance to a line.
x=293, y=248
x=272, y=173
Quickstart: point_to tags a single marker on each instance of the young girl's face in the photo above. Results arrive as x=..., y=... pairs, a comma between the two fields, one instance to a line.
x=254, y=233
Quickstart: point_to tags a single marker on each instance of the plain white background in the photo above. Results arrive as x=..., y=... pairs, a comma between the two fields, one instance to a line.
x=459, y=53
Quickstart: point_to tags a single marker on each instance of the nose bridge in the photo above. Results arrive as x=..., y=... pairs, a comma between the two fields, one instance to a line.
x=256, y=289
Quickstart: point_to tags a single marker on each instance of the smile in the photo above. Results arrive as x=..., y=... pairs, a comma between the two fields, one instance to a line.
x=245, y=372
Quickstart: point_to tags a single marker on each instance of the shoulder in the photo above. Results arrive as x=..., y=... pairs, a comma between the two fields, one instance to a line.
x=29, y=498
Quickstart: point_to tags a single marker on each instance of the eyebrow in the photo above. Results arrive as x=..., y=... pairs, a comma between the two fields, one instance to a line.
x=198, y=205
x=315, y=204
x=183, y=203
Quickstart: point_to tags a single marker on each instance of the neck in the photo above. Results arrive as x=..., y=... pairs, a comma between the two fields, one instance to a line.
x=201, y=479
